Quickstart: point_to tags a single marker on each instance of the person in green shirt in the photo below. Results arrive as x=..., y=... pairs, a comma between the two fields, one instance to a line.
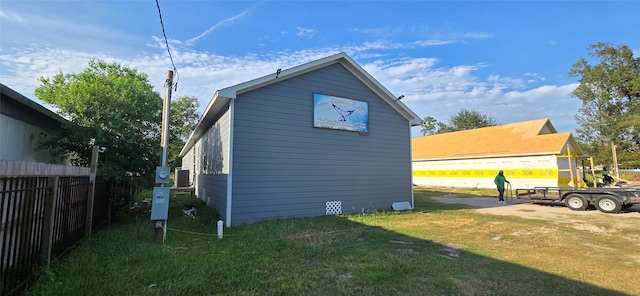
x=606, y=177
x=499, y=181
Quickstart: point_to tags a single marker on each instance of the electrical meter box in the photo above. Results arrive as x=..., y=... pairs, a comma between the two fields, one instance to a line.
x=160, y=203
x=162, y=174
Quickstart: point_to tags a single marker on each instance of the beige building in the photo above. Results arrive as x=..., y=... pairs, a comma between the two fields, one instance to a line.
x=531, y=153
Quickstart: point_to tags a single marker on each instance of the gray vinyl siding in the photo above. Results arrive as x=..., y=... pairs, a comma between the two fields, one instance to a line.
x=283, y=167
x=213, y=165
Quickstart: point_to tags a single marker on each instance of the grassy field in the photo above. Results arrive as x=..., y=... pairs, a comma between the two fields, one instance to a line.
x=436, y=249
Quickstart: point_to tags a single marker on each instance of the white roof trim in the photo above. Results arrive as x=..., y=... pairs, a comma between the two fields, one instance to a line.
x=216, y=104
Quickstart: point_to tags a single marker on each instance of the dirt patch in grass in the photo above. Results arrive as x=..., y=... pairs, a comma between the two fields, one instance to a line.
x=590, y=220
x=455, y=222
x=312, y=239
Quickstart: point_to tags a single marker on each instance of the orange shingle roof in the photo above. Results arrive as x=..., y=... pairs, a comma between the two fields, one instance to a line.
x=535, y=137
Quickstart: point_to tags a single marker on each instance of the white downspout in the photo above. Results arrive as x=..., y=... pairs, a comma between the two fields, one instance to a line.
x=413, y=203
x=230, y=175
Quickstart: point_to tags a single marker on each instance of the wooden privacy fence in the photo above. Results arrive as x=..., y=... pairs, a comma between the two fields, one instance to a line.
x=42, y=218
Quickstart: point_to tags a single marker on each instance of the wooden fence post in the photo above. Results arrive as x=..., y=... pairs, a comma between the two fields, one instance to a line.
x=49, y=221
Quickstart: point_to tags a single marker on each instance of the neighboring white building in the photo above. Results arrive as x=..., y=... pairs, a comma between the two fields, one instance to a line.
x=23, y=123
x=531, y=153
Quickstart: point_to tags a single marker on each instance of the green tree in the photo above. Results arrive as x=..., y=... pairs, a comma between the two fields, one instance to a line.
x=114, y=105
x=184, y=118
x=610, y=95
x=429, y=126
x=465, y=120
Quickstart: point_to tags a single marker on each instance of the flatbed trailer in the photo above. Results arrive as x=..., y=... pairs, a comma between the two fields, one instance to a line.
x=605, y=199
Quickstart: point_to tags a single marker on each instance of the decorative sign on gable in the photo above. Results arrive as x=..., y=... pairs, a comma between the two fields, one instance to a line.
x=340, y=113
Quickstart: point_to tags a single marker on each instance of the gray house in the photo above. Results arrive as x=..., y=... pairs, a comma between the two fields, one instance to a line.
x=320, y=138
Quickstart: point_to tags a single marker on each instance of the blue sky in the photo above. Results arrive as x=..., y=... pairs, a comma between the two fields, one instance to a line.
x=506, y=59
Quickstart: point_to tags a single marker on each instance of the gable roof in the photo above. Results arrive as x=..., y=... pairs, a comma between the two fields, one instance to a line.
x=10, y=94
x=535, y=137
x=222, y=97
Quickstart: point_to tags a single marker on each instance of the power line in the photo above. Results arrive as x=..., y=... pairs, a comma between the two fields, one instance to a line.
x=166, y=41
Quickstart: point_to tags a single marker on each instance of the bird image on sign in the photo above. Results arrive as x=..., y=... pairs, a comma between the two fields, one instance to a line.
x=343, y=113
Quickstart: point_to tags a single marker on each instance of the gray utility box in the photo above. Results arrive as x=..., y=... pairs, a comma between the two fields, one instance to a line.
x=182, y=178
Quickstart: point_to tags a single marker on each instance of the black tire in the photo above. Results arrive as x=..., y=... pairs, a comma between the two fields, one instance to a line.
x=576, y=202
x=608, y=204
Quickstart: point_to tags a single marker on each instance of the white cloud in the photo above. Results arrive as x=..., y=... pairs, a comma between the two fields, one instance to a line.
x=11, y=16
x=534, y=77
x=429, y=89
x=21, y=69
x=475, y=35
x=549, y=101
x=450, y=31
x=379, y=32
x=305, y=32
x=440, y=92
x=60, y=32
x=199, y=74
x=426, y=43
x=216, y=26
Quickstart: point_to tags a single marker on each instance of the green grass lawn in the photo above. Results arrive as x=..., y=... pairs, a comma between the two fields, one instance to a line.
x=436, y=249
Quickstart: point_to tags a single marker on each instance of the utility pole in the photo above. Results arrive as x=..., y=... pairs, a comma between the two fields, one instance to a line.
x=92, y=190
x=160, y=205
x=166, y=104
x=615, y=160
x=571, y=183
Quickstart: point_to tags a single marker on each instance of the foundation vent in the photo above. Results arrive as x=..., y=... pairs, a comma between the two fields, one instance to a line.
x=334, y=207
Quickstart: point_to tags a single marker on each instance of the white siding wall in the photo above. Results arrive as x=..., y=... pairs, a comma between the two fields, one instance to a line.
x=19, y=140
x=10, y=146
